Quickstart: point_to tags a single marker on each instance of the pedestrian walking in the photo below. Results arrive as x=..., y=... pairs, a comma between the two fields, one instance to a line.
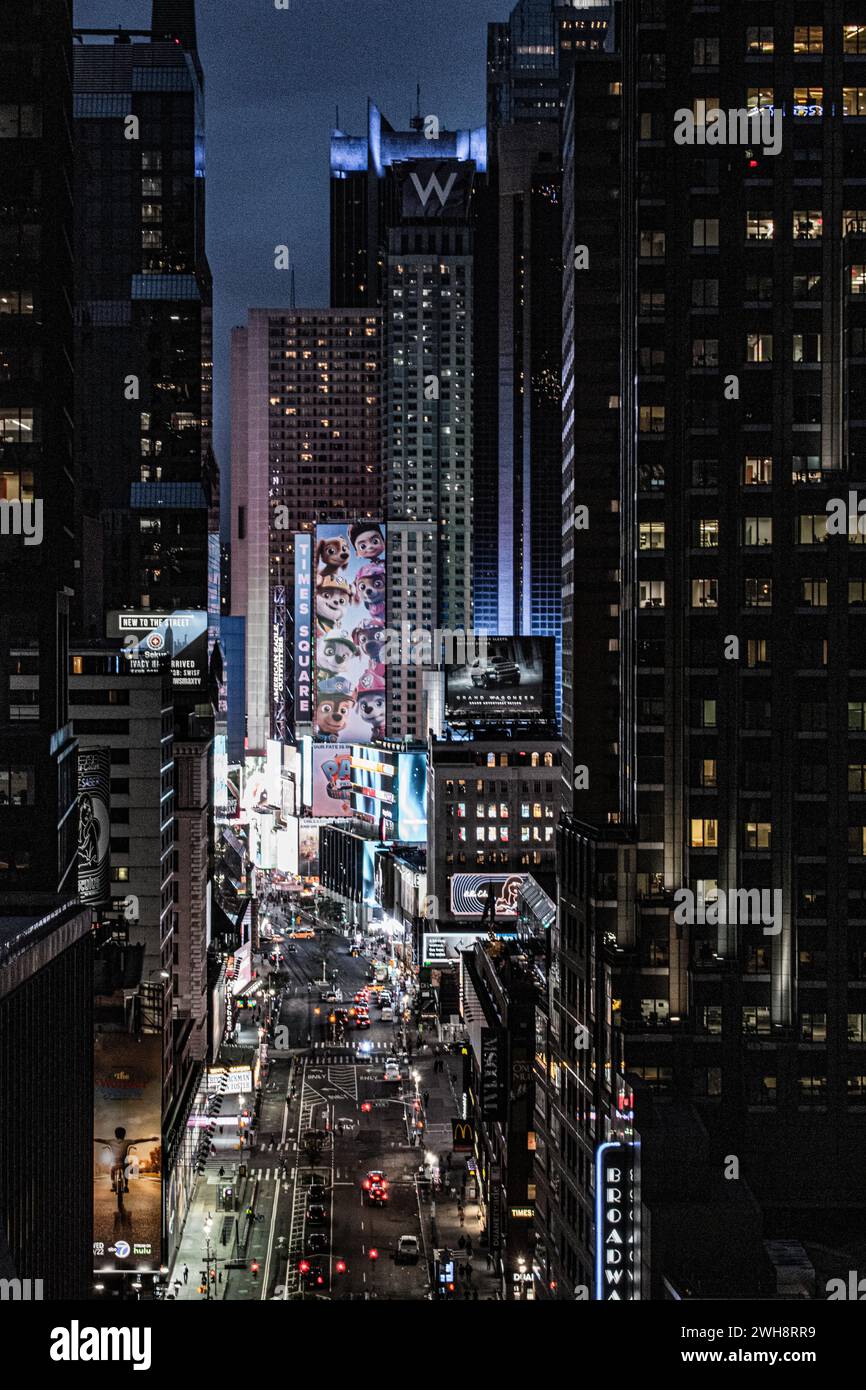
x=474, y=1292
x=469, y=1246
x=448, y=1161
x=462, y=1242
x=222, y=1171
x=426, y=1099
x=186, y=1274
x=489, y=1259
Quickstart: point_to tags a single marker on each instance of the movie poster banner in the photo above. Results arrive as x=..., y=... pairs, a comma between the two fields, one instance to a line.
x=349, y=685
x=127, y=1152
x=329, y=792
x=94, y=824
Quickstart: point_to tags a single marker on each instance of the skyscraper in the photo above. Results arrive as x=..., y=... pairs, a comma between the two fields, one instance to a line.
x=38, y=824
x=146, y=474
x=408, y=196
x=306, y=403
x=517, y=507
x=712, y=867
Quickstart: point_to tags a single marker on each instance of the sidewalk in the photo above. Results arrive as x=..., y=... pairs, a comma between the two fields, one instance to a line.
x=441, y=1216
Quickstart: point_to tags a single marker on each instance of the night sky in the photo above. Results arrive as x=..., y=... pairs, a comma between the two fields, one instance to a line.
x=273, y=81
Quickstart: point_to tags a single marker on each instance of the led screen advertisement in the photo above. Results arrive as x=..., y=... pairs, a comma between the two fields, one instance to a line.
x=469, y=894
x=127, y=1151
x=513, y=681
x=94, y=824
x=303, y=640
x=308, y=848
x=154, y=641
x=349, y=675
x=412, y=798
x=328, y=780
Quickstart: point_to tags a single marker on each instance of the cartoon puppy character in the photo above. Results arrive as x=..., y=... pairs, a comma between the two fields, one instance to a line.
x=333, y=596
x=332, y=555
x=370, y=589
x=370, y=697
x=334, y=701
x=368, y=540
x=369, y=639
x=334, y=651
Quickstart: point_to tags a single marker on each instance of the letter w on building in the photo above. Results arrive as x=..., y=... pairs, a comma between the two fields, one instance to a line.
x=443, y=194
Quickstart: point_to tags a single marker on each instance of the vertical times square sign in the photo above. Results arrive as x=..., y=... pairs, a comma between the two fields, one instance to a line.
x=617, y=1223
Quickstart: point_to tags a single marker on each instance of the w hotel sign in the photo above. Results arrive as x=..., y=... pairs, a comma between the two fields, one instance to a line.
x=434, y=188
x=617, y=1223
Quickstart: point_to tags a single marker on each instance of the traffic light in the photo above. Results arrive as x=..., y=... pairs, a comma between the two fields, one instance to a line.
x=374, y=1253
x=341, y=1266
x=366, y=1106
x=254, y=1269
x=304, y=1267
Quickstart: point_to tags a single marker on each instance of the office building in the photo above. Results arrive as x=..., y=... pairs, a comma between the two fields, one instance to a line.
x=306, y=402
x=517, y=506
x=711, y=865
x=492, y=815
x=38, y=777
x=147, y=483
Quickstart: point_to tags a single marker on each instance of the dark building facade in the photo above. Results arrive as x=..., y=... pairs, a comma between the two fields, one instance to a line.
x=517, y=504
x=38, y=823
x=46, y=1093
x=712, y=686
x=147, y=481
x=499, y=988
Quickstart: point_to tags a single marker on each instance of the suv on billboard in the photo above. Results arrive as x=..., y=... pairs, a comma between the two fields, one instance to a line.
x=498, y=671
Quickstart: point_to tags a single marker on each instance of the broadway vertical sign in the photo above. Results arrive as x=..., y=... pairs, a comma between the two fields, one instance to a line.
x=617, y=1224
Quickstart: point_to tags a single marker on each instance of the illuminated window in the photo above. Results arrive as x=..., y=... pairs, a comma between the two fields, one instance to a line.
x=854, y=38
x=757, y=530
x=705, y=593
x=808, y=38
x=854, y=101
x=757, y=834
x=704, y=834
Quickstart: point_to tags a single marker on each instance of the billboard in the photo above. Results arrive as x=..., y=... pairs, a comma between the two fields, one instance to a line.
x=469, y=894
x=94, y=824
x=127, y=1151
x=349, y=675
x=154, y=641
x=412, y=798
x=514, y=681
x=432, y=188
x=303, y=638
x=308, y=848
x=328, y=780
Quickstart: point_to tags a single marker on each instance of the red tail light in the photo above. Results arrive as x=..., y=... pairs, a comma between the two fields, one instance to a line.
x=304, y=1267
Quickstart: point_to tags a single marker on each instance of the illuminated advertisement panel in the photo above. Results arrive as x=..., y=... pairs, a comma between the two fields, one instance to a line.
x=152, y=641
x=513, y=681
x=349, y=675
x=328, y=781
x=94, y=824
x=617, y=1244
x=127, y=1151
x=220, y=777
x=412, y=798
x=469, y=894
x=303, y=640
x=308, y=848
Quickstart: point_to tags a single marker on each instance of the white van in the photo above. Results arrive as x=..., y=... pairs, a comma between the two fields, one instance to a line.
x=387, y=1014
